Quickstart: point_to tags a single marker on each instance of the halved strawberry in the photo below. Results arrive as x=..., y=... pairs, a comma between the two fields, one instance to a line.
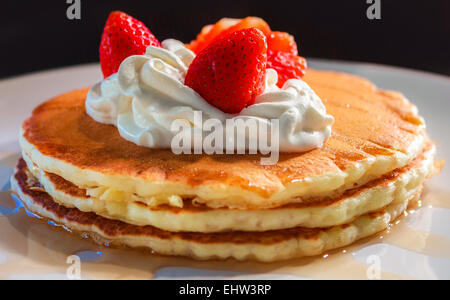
x=250, y=22
x=282, y=41
x=209, y=33
x=224, y=27
x=122, y=37
x=287, y=65
x=230, y=73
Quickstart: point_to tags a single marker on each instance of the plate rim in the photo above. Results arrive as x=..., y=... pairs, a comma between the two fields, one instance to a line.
x=311, y=60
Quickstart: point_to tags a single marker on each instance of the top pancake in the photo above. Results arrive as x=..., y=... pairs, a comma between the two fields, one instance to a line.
x=375, y=132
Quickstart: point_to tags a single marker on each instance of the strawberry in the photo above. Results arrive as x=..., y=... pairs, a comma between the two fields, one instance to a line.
x=210, y=32
x=224, y=27
x=122, y=37
x=282, y=41
x=287, y=65
x=250, y=22
x=282, y=48
x=230, y=72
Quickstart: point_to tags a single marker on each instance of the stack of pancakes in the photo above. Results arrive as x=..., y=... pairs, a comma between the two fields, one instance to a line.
x=83, y=175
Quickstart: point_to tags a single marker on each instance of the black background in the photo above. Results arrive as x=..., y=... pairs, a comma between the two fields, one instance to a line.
x=37, y=35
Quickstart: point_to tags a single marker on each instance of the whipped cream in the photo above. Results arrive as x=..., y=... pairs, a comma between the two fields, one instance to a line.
x=148, y=94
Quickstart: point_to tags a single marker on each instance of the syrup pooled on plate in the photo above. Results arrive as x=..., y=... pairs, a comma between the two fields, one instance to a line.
x=35, y=249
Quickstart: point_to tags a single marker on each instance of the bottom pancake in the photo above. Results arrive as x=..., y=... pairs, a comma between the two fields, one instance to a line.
x=266, y=246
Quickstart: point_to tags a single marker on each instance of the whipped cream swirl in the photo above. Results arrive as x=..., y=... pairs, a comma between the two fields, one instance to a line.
x=148, y=93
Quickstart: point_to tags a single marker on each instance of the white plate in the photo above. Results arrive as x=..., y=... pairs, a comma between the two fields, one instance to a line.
x=39, y=251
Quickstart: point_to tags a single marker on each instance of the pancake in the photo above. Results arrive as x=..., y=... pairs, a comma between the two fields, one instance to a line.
x=375, y=133
x=371, y=197
x=262, y=246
